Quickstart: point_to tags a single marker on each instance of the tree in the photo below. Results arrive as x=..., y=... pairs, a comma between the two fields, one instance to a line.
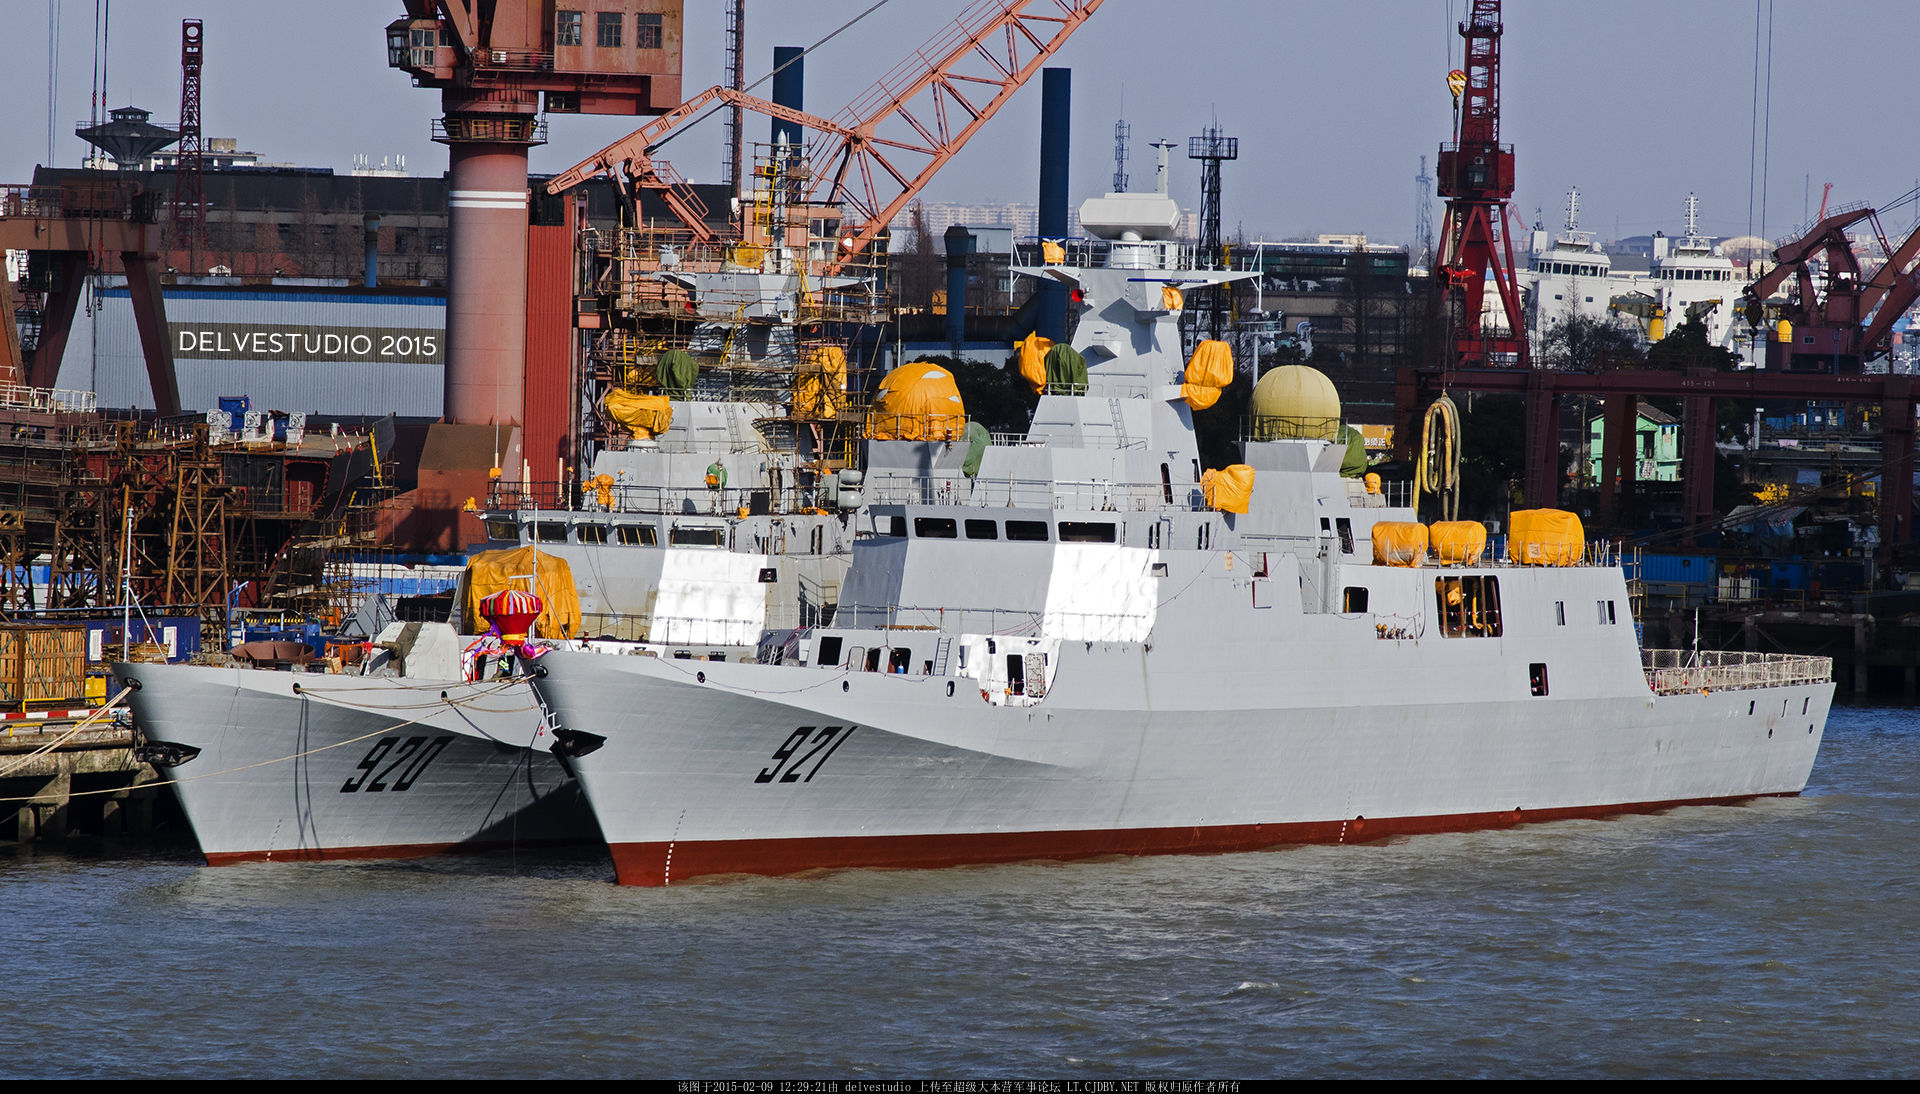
x=996, y=397
x=1581, y=344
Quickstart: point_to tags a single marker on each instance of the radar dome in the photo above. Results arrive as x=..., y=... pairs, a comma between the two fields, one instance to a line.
x=1746, y=249
x=1295, y=401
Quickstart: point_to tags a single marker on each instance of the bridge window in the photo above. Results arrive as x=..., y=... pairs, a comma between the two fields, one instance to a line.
x=935, y=528
x=1033, y=531
x=1074, y=531
x=550, y=531
x=636, y=535
x=503, y=529
x=590, y=533
x=697, y=536
x=982, y=529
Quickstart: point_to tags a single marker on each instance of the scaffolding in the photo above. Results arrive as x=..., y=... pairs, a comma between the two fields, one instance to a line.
x=90, y=506
x=755, y=310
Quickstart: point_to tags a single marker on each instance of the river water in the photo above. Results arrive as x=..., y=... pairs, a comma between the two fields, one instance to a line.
x=1776, y=938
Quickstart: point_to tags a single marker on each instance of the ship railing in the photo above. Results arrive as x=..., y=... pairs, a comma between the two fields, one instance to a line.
x=1010, y=622
x=56, y=399
x=678, y=630
x=1390, y=495
x=1090, y=494
x=544, y=498
x=1600, y=553
x=1101, y=253
x=1016, y=440
x=1676, y=672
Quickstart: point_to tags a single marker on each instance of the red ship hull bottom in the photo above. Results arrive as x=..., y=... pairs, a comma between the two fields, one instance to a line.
x=664, y=863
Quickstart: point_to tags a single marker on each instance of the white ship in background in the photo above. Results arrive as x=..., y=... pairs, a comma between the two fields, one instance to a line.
x=1689, y=279
x=1694, y=282
x=1082, y=645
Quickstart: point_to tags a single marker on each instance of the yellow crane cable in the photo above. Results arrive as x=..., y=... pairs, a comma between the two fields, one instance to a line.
x=1437, y=469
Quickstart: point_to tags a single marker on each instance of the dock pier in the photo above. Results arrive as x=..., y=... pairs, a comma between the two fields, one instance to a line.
x=60, y=777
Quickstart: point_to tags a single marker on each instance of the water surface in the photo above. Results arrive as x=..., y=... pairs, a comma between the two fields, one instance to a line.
x=1774, y=938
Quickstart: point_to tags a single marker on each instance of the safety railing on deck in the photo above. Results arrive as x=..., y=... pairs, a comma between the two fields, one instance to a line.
x=1099, y=253
x=884, y=489
x=1077, y=626
x=1389, y=495
x=509, y=496
x=1674, y=672
x=61, y=400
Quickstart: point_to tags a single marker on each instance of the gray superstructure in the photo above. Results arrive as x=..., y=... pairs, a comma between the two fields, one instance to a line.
x=1072, y=653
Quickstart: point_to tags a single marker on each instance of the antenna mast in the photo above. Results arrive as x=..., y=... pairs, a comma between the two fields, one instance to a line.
x=1211, y=148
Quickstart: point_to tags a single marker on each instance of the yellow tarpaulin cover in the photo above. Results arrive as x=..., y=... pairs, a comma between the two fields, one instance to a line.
x=1199, y=396
x=1545, y=537
x=490, y=572
x=1171, y=299
x=1210, y=370
x=1229, y=489
x=1458, y=542
x=1212, y=364
x=1053, y=254
x=603, y=490
x=1033, y=361
x=1399, y=543
x=917, y=402
x=644, y=416
x=820, y=384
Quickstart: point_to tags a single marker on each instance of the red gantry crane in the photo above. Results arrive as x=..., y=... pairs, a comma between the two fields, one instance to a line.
x=497, y=64
x=875, y=155
x=1476, y=178
x=1837, y=317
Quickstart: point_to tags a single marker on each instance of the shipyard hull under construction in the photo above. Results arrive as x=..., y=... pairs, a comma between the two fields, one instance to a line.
x=278, y=765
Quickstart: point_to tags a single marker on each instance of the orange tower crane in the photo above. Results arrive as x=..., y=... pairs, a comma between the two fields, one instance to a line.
x=876, y=154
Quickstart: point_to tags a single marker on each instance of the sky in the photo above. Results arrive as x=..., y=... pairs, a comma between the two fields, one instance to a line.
x=1635, y=102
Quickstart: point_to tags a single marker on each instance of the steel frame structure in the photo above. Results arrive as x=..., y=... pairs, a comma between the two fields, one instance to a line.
x=930, y=105
x=1476, y=177
x=189, y=194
